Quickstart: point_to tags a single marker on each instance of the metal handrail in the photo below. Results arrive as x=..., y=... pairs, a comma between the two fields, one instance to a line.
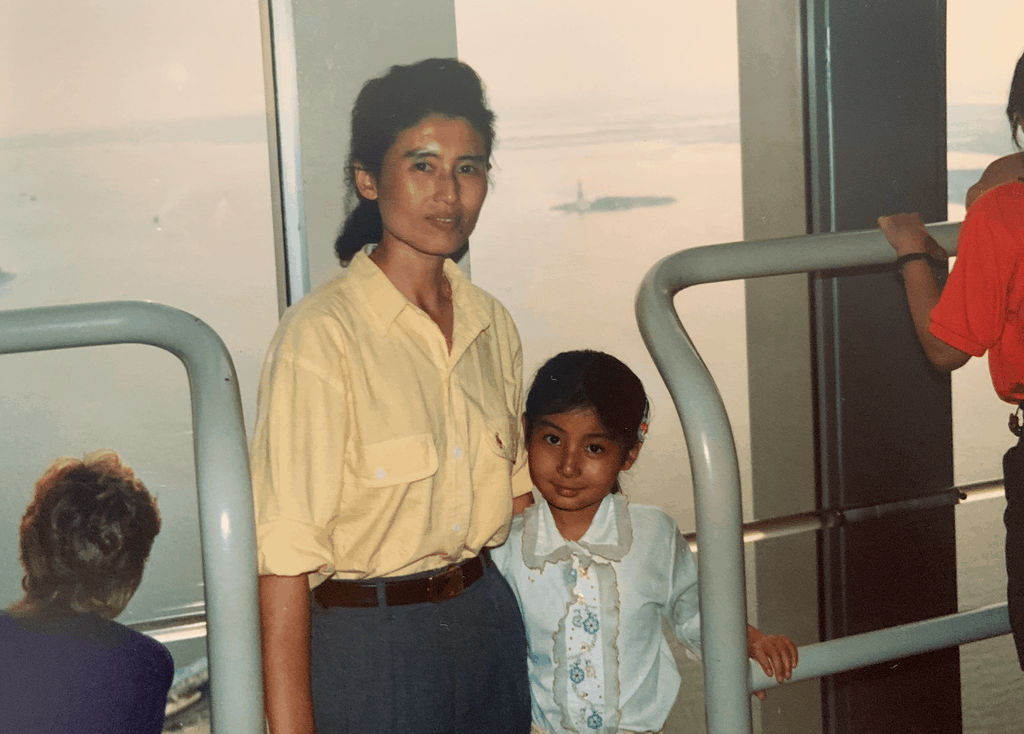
x=728, y=675
x=226, y=522
x=192, y=625
x=803, y=522
x=868, y=648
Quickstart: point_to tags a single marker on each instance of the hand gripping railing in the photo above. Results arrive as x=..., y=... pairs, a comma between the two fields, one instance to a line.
x=728, y=675
x=226, y=523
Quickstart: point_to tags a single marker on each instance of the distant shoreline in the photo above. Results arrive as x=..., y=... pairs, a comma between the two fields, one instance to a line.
x=232, y=129
x=970, y=128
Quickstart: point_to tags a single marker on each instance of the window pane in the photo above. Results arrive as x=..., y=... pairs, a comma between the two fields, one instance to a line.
x=133, y=165
x=618, y=145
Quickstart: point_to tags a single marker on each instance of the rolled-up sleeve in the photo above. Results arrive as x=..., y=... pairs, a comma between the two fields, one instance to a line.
x=297, y=459
x=521, y=482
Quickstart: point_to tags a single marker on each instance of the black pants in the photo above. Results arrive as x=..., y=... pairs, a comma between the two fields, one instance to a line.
x=457, y=667
x=1013, y=518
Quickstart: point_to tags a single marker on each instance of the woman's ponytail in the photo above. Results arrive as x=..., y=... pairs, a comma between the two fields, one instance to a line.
x=362, y=226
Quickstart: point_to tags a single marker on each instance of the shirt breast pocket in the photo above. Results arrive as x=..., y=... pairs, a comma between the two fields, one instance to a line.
x=495, y=457
x=501, y=442
x=401, y=460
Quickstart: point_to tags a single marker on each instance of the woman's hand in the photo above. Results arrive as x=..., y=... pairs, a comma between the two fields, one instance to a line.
x=521, y=502
x=777, y=655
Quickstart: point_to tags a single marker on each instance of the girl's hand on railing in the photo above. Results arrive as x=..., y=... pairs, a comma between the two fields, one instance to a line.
x=905, y=232
x=776, y=654
x=907, y=235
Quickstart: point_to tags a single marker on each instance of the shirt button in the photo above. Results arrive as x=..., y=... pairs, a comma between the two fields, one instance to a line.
x=457, y=452
x=381, y=473
x=456, y=527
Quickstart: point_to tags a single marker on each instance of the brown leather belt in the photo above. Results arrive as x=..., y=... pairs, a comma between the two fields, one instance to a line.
x=446, y=584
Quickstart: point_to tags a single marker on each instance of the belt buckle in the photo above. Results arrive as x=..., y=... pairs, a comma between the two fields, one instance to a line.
x=447, y=585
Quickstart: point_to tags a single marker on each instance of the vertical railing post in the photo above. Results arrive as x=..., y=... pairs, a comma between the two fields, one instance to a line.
x=709, y=441
x=226, y=523
x=712, y=453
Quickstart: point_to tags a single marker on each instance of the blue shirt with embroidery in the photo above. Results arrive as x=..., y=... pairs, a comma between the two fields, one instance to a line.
x=598, y=659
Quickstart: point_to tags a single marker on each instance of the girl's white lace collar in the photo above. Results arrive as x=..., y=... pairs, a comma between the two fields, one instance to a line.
x=609, y=536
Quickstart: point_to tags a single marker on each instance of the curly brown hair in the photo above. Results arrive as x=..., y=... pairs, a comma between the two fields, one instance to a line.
x=85, y=537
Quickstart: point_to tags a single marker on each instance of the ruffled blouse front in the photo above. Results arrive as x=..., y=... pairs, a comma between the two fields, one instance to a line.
x=599, y=661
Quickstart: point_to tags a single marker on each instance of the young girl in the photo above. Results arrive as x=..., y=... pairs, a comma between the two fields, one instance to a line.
x=595, y=574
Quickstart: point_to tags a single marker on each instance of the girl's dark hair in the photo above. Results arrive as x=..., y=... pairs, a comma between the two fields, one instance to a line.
x=85, y=537
x=387, y=106
x=590, y=379
x=1015, y=106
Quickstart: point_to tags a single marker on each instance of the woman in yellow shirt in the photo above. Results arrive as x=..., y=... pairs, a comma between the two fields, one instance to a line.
x=388, y=448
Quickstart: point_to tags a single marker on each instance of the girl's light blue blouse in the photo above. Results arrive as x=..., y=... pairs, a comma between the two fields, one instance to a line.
x=598, y=659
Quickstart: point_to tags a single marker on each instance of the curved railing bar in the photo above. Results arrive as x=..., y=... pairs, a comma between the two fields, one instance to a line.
x=868, y=648
x=226, y=523
x=709, y=439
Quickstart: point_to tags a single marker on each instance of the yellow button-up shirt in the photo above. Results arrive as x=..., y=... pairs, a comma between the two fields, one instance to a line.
x=376, y=452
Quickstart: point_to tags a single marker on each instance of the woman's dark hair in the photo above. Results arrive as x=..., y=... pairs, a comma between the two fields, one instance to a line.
x=1015, y=106
x=589, y=379
x=387, y=106
x=85, y=537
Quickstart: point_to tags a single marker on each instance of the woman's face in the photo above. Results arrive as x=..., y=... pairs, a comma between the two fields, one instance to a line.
x=431, y=186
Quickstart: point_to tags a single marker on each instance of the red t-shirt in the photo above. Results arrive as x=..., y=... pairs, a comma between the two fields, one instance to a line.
x=981, y=306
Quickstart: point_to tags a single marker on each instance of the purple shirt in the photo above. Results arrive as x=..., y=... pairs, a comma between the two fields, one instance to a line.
x=81, y=675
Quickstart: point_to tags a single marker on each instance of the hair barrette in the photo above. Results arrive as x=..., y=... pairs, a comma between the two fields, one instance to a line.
x=641, y=432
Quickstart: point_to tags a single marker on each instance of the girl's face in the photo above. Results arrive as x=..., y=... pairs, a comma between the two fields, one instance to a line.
x=431, y=187
x=574, y=463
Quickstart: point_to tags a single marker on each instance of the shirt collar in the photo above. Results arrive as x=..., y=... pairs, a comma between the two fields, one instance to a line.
x=609, y=536
x=387, y=303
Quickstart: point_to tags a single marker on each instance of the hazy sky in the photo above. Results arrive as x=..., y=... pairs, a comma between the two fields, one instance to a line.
x=72, y=64
x=538, y=50
x=983, y=42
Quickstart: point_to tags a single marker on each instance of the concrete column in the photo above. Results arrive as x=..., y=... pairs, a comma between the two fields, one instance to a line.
x=772, y=106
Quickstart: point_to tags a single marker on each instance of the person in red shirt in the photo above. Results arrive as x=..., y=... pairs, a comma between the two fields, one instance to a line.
x=980, y=310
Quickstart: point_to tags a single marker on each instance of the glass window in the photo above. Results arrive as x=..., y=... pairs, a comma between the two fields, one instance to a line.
x=133, y=165
x=618, y=144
